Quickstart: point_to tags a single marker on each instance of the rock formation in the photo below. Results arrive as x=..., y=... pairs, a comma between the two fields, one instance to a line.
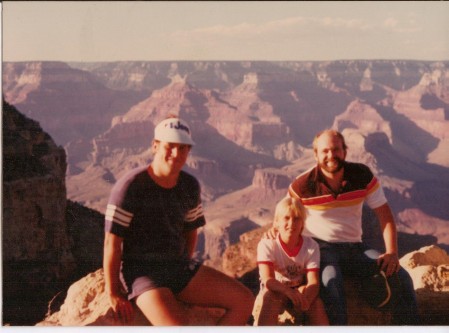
x=87, y=304
x=257, y=203
x=37, y=257
x=48, y=241
x=429, y=269
x=70, y=104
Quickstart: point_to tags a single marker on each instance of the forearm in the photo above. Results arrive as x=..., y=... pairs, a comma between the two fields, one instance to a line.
x=311, y=291
x=388, y=227
x=112, y=257
x=191, y=240
x=276, y=286
x=312, y=288
x=390, y=238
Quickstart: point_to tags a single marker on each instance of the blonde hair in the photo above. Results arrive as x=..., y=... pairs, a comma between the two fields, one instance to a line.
x=289, y=204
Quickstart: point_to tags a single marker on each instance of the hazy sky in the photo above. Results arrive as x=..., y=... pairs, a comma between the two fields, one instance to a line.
x=222, y=30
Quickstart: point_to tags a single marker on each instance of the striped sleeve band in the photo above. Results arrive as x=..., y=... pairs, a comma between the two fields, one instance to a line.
x=118, y=215
x=195, y=213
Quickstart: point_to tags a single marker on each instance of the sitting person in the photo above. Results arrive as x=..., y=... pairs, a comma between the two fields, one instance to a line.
x=151, y=227
x=289, y=269
x=333, y=193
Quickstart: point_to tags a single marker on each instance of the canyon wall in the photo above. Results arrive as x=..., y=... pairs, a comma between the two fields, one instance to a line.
x=37, y=256
x=48, y=242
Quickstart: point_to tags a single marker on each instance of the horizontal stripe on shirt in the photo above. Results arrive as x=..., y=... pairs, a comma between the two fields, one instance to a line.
x=337, y=217
x=194, y=214
x=118, y=215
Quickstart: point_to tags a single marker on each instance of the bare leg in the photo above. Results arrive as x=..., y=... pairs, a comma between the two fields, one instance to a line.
x=215, y=289
x=161, y=308
x=316, y=315
x=272, y=305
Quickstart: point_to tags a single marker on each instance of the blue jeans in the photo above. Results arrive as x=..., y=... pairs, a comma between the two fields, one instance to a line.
x=355, y=259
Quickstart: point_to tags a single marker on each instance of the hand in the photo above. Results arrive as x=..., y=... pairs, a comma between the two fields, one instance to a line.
x=389, y=263
x=298, y=299
x=122, y=308
x=270, y=234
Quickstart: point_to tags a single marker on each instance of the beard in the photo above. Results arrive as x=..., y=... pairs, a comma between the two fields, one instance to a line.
x=332, y=166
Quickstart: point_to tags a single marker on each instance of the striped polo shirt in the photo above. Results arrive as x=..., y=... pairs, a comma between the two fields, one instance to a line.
x=337, y=217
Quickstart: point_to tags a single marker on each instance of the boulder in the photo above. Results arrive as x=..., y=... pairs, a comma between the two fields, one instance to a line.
x=429, y=269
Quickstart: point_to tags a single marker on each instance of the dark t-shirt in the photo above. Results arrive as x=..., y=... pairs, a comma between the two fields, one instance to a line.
x=151, y=219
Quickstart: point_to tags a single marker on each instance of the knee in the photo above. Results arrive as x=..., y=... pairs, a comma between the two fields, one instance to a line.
x=270, y=297
x=243, y=300
x=271, y=303
x=404, y=276
x=332, y=289
x=244, y=304
x=330, y=276
x=405, y=282
x=372, y=254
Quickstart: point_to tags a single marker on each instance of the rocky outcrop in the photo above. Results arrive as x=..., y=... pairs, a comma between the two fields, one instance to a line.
x=86, y=230
x=363, y=117
x=87, y=304
x=37, y=256
x=48, y=241
x=242, y=116
x=20, y=79
x=240, y=258
x=428, y=267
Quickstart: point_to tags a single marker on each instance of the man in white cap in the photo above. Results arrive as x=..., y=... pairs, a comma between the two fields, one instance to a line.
x=150, y=235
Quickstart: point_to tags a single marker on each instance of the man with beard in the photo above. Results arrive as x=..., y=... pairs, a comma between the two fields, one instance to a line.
x=333, y=193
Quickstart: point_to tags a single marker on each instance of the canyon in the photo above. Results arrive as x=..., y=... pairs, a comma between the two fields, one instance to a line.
x=253, y=123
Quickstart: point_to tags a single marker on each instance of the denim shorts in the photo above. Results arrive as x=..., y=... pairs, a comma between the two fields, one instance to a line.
x=172, y=275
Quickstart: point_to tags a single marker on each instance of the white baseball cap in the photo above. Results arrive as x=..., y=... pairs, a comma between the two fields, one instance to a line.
x=174, y=130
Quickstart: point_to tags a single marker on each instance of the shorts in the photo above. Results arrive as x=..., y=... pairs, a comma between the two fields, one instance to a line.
x=172, y=275
x=287, y=304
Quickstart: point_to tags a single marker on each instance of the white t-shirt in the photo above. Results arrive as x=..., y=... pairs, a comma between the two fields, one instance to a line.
x=290, y=267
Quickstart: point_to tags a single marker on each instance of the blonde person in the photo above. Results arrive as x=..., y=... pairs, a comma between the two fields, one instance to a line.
x=151, y=227
x=289, y=269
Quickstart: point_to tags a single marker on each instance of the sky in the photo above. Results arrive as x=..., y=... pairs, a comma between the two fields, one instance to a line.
x=224, y=30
